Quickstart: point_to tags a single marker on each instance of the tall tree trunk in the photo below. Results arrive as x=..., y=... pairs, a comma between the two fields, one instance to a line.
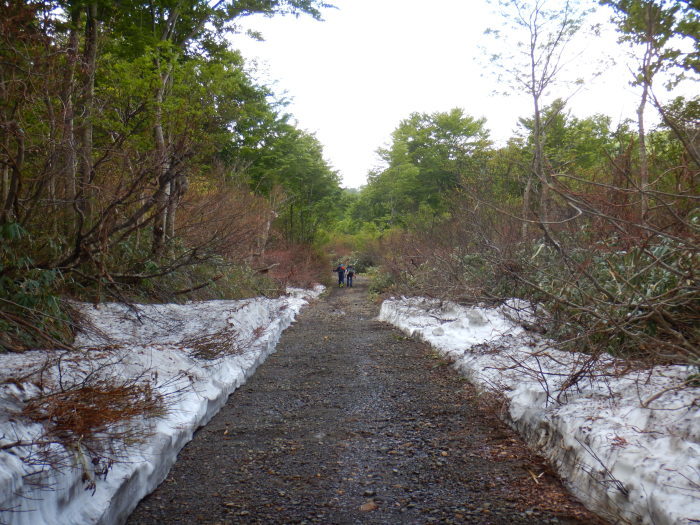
x=5, y=174
x=10, y=206
x=291, y=221
x=173, y=202
x=646, y=80
x=163, y=170
x=178, y=187
x=85, y=161
x=526, y=207
x=68, y=138
x=538, y=164
x=161, y=224
x=643, y=160
x=53, y=151
x=262, y=241
x=5, y=179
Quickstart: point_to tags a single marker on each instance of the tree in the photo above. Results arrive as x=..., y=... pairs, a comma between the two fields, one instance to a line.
x=290, y=170
x=429, y=156
x=658, y=29
x=543, y=34
x=112, y=114
x=170, y=31
x=570, y=143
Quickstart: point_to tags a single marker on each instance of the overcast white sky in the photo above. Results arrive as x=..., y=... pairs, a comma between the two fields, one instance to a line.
x=353, y=77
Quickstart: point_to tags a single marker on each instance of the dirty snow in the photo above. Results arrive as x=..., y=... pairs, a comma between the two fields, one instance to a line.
x=194, y=354
x=623, y=459
x=627, y=443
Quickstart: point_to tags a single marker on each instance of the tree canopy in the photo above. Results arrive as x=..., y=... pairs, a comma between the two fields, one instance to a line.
x=429, y=155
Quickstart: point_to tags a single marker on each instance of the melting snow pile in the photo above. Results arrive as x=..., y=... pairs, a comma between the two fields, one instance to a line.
x=627, y=442
x=191, y=356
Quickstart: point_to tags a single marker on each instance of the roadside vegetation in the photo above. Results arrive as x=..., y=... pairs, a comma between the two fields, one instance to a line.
x=596, y=225
x=139, y=160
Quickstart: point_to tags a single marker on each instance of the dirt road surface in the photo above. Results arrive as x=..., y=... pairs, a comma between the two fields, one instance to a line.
x=351, y=422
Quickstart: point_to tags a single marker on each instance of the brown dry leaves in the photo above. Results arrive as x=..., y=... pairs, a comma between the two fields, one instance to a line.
x=83, y=411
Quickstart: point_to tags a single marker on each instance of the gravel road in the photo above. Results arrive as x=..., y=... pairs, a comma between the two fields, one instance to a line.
x=351, y=422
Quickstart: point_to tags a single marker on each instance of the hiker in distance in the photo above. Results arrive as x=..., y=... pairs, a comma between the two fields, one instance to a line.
x=350, y=271
x=341, y=274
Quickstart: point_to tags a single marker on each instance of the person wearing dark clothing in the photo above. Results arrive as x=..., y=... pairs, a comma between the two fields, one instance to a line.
x=341, y=274
x=350, y=274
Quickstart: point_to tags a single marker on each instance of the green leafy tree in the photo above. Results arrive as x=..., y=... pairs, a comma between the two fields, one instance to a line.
x=290, y=169
x=656, y=28
x=682, y=116
x=542, y=31
x=111, y=114
x=429, y=156
x=174, y=29
x=572, y=145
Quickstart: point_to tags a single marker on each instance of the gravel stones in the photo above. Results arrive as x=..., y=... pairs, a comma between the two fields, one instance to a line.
x=351, y=422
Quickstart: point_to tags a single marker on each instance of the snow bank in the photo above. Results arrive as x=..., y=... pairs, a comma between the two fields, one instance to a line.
x=195, y=354
x=622, y=460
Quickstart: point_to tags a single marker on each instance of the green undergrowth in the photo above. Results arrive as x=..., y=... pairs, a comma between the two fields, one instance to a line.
x=639, y=303
x=31, y=312
x=381, y=282
x=213, y=279
x=34, y=312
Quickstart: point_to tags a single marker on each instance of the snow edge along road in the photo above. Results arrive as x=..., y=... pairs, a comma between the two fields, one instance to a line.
x=622, y=461
x=146, y=338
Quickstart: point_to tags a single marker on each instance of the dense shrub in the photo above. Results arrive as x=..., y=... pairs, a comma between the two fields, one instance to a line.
x=31, y=313
x=297, y=265
x=642, y=302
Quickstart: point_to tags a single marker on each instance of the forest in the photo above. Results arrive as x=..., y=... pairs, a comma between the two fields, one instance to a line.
x=142, y=162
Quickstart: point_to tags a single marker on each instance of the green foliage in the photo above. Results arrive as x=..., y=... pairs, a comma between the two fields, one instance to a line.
x=133, y=129
x=380, y=281
x=31, y=313
x=429, y=156
x=441, y=214
x=363, y=261
x=291, y=169
x=622, y=299
x=662, y=27
x=572, y=142
x=607, y=283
